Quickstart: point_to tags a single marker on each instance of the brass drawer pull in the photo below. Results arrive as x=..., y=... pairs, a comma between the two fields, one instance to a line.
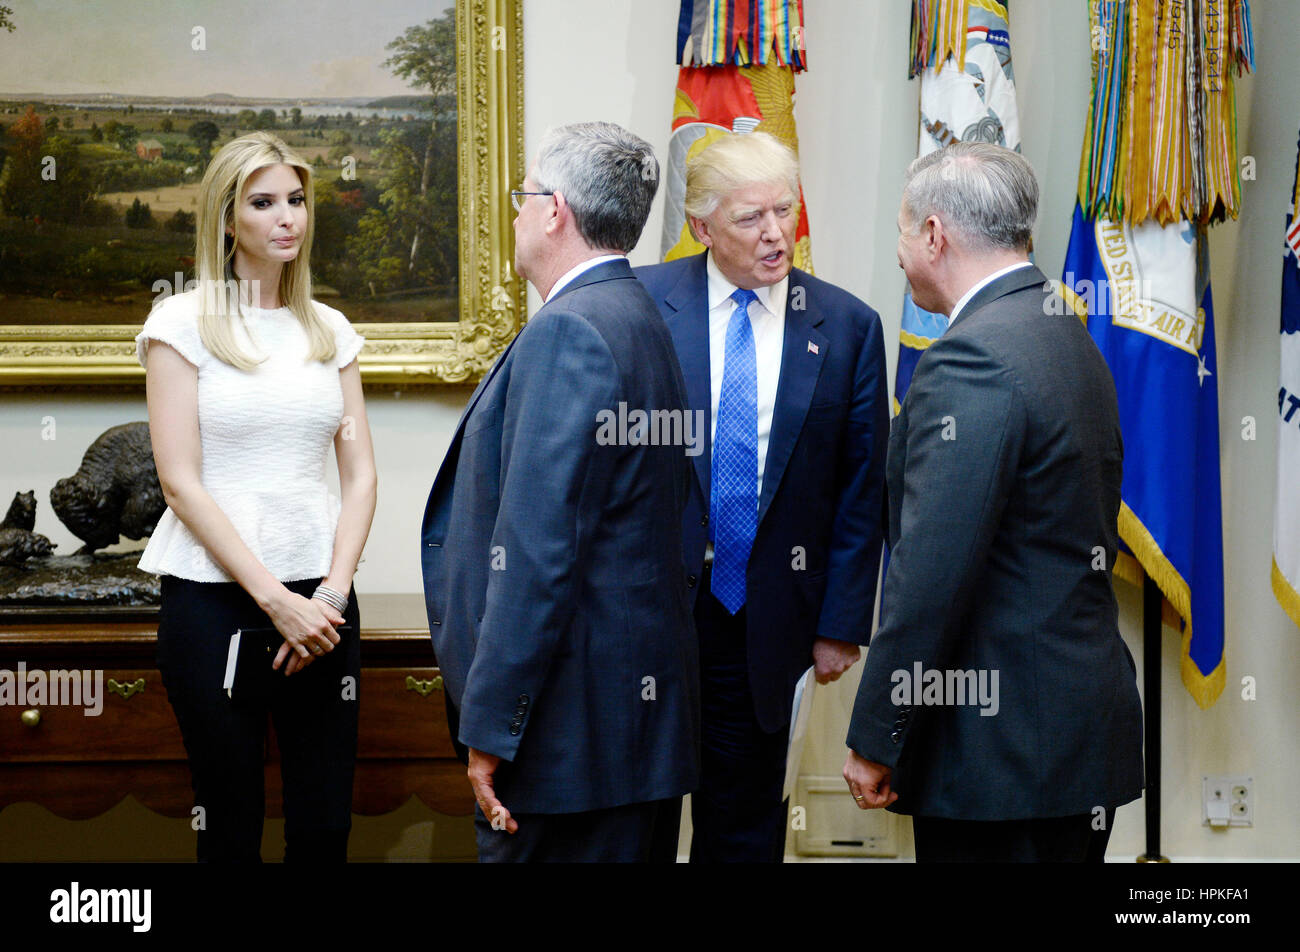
x=31, y=717
x=423, y=688
x=127, y=689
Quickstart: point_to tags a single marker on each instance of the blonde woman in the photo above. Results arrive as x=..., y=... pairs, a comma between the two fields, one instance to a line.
x=248, y=382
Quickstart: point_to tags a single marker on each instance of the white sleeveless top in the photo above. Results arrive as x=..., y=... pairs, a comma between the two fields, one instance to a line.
x=265, y=435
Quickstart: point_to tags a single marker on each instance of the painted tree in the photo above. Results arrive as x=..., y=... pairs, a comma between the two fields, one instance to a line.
x=385, y=234
x=425, y=56
x=44, y=175
x=204, y=133
x=22, y=173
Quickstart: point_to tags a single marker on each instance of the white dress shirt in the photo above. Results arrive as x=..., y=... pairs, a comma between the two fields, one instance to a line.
x=978, y=285
x=767, y=317
x=573, y=272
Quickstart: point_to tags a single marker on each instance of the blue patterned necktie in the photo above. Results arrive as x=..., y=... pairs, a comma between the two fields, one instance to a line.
x=734, y=503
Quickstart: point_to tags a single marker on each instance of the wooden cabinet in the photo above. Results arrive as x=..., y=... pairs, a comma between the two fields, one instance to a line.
x=78, y=766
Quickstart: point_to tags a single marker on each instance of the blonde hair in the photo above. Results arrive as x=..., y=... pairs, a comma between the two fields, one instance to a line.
x=737, y=160
x=214, y=255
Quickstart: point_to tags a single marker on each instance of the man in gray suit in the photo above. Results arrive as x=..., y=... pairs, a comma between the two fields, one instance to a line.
x=552, y=541
x=998, y=705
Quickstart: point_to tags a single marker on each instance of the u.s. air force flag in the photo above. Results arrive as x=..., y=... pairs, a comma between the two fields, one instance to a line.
x=1147, y=296
x=1286, y=524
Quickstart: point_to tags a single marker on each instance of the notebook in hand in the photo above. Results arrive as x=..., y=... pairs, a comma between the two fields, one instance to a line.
x=248, y=662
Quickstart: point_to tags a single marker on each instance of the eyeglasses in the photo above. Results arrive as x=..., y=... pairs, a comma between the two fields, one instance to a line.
x=517, y=197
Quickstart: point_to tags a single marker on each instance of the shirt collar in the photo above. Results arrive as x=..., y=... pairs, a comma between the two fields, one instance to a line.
x=771, y=296
x=568, y=276
x=984, y=282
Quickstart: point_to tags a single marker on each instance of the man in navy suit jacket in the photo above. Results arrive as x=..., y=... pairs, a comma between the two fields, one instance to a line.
x=782, y=527
x=552, y=547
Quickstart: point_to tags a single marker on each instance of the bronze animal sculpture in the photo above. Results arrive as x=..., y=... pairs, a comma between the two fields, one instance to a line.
x=22, y=512
x=18, y=542
x=19, y=545
x=115, y=492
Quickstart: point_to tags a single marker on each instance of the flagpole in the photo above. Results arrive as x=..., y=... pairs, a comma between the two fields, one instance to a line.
x=1152, y=626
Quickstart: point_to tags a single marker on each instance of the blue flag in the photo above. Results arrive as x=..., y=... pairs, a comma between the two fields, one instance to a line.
x=1146, y=294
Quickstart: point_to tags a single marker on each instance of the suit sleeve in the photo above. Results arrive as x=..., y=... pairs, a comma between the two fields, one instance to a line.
x=965, y=423
x=853, y=560
x=554, y=481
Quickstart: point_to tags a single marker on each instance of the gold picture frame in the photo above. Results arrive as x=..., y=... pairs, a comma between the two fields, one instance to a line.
x=490, y=114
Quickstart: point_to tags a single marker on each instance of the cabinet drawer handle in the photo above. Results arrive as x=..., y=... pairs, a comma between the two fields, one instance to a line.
x=423, y=688
x=31, y=717
x=127, y=689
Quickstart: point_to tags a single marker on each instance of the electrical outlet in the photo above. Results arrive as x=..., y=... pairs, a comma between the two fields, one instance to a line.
x=1227, y=801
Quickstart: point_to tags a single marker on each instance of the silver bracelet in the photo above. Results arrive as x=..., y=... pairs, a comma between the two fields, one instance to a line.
x=332, y=598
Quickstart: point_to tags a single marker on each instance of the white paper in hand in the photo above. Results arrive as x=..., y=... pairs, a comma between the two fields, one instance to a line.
x=799, y=714
x=231, y=657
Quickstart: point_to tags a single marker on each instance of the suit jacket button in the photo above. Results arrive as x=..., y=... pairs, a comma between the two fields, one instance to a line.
x=704, y=519
x=690, y=581
x=514, y=730
x=523, y=700
x=896, y=736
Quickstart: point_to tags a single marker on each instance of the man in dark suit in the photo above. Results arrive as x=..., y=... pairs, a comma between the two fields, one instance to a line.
x=998, y=704
x=553, y=573
x=782, y=527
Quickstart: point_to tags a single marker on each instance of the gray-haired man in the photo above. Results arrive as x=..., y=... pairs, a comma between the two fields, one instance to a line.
x=998, y=704
x=553, y=568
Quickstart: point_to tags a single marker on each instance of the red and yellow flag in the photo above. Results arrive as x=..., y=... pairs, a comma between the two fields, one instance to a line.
x=738, y=61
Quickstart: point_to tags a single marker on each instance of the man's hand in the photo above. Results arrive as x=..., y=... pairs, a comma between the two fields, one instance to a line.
x=481, y=769
x=832, y=657
x=868, y=782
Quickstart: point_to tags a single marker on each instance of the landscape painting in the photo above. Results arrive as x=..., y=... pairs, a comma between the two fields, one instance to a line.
x=103, y=151
x=110, y=112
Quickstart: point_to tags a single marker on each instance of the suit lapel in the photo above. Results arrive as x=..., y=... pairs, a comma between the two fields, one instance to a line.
x=802, y=351
x=689, y=327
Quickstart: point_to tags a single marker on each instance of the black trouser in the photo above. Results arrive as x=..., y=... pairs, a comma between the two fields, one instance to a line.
x=738, y=813
x=314, y=712
x=633, y=833
x=1058, y=839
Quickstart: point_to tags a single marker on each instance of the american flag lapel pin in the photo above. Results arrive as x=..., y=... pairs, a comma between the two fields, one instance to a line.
x=812, y=348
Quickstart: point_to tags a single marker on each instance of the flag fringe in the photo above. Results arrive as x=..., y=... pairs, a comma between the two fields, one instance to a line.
x=1128, y=569
x=742, y=33
x=939, y=29
x=1204, y=688
x=1285, y=594
x=1161, y=138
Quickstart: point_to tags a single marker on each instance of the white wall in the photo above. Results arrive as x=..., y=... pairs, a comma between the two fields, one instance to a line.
x=857, y=116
